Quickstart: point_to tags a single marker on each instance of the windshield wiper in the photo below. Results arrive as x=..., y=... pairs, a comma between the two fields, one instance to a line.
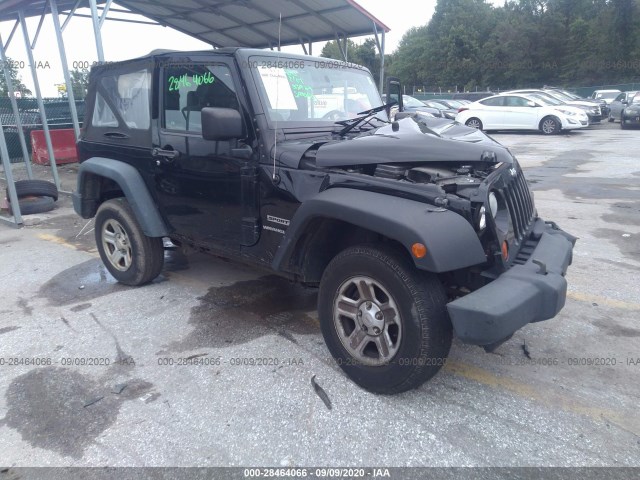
x=362, y=116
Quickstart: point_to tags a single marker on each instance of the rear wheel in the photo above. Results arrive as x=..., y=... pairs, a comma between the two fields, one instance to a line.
x=384, y=321
x=550, y=126
x=129, y=255
x=474, y=123
x=611, y=119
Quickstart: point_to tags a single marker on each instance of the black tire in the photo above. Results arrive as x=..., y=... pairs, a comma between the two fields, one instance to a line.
x=611, y=119
x=623, y=125
x=35, y=188
x=473, y=121
x=33, y=205
x=424, y=334
x=550, y=126
x=142, y=257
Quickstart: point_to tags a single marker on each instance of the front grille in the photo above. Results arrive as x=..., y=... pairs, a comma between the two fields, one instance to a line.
x=520, y=203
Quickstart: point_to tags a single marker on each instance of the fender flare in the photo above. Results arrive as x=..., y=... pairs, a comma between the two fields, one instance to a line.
x=451, y=241
x=132, y=184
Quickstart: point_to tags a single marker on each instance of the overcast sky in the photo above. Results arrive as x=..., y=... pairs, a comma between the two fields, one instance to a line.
x=122, y=40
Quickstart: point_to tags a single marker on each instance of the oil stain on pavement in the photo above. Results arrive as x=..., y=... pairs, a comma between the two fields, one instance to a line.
x=247, y=310
x=62, y=410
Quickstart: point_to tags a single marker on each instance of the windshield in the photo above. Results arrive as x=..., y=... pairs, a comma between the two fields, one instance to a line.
x=410, y=101
x=561, y=95
x=454, y=103
x=296, y=90
x=546, y=99
x=607, y=95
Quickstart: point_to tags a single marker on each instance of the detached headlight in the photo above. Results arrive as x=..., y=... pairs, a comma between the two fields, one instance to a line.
x=493, y=204
x=482, y=218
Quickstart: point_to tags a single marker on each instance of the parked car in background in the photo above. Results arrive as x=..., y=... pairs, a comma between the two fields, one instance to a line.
x=521, y=112
x=412, y=104
x=606, y=95
x=445, y=111
x=630, y=116
x=619, y=104
x=472, y=96
x=592, y=110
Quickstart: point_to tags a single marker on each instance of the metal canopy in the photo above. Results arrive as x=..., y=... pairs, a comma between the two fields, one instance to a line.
x=32, y=8
x=220, y=23
x=255, y=23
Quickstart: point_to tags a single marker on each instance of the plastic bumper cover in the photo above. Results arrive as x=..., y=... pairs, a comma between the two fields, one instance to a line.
x=523, y=294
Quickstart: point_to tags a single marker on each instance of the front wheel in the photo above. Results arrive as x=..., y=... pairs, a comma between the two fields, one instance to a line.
x=550, y=126
x=129, y=255
x=384, y=321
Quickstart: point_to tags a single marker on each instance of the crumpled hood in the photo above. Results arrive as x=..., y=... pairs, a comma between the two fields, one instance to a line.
x=417, y=140
x=433, y=140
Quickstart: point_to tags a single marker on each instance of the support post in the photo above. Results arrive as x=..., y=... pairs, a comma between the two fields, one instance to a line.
x=96, y=29
x=382, y=46
x=65, y=68
x=36, y=86
x=16, y=111
x=11, y=187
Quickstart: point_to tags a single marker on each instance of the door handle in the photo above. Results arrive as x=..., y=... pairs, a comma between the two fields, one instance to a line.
x=123, y=136
x=169, y=155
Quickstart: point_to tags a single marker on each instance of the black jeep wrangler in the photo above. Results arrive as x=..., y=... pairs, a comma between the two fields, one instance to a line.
x=413, y=228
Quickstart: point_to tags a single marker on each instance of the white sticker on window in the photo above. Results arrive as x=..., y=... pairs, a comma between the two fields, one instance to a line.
x=276, y=84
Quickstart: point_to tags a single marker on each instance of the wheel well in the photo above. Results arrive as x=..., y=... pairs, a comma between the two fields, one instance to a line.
x=99, y=189
x=325, y=238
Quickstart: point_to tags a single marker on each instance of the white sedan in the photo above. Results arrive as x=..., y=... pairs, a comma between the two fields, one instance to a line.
x=521, y=112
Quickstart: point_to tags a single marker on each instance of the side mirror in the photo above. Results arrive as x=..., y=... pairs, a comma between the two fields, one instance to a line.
x=221, y=124
x=394, y=92
x=624, y=102
x=531, y=104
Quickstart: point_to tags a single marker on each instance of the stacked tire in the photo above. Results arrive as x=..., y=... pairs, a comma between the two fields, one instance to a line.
x=34, y=196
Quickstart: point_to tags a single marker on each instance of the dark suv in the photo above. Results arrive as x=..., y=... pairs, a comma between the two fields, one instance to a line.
x=412, y=229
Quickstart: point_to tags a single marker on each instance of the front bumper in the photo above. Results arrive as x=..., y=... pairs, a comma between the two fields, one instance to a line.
x=531, y=292
x=630, y=119
x=593, y=118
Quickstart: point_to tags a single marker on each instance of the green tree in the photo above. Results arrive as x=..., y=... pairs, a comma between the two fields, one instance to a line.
x=365, y=54
x=80, y=83
x=16, y=80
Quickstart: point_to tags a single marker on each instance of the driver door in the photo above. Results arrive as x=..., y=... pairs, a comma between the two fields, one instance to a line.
x=198, y=182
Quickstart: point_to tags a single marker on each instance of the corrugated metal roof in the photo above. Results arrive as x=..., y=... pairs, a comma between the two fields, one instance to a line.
x=244, y=23
x=255, y=23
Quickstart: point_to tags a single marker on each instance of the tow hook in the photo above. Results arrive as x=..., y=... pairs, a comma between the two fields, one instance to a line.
x=543, y=267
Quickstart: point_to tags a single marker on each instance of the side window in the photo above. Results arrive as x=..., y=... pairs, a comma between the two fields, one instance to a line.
x=493, y=102
x=102, y=114
x=515, y=102
x=128, y=94
x=187, y=90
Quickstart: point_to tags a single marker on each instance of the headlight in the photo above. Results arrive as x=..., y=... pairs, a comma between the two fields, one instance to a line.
x=566, y=112
x=482, y=218
x=493, y=204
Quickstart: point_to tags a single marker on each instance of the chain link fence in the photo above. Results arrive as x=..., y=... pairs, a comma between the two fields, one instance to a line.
x=426, y=92
x=58, y=117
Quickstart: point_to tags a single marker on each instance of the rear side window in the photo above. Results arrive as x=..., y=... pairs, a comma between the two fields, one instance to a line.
x=493, y=102
x=515, y=102
x=187, y=90
x=127, y=96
